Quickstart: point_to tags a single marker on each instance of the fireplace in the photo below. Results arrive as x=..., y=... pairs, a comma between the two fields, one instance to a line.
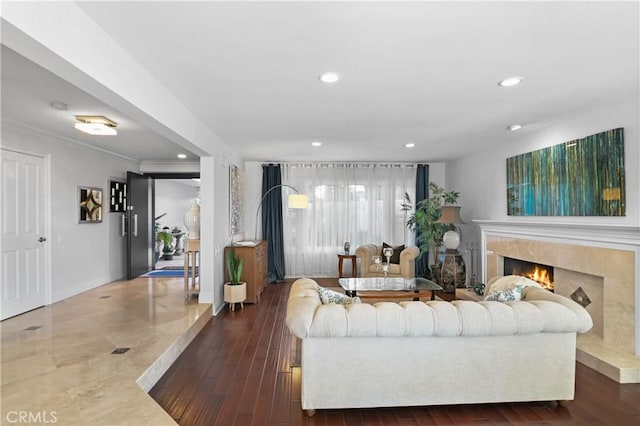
x=596, y=266
x=542, y=274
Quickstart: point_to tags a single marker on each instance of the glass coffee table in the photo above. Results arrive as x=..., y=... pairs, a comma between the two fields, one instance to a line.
x=389, y=288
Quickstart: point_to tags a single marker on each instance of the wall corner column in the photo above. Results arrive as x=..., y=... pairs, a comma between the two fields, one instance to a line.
x=207, y=230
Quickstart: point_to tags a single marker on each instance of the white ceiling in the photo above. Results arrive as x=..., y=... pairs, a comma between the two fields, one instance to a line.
x=422, y=72
x=28, y=90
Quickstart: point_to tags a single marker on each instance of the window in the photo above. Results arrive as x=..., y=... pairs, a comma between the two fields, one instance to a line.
x=355, y=202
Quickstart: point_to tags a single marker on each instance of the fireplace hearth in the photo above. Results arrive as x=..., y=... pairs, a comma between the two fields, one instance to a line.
x=542, y=274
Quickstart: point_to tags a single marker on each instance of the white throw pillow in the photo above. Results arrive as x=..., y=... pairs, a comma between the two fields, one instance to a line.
x=330, y=296
x=508, y=282
x=508, y=295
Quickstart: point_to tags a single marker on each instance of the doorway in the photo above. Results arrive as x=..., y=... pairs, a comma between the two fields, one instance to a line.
x=173, y=198
x=170, y=197
x=24, y=254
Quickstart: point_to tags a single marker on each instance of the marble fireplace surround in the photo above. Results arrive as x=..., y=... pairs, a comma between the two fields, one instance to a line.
x=604, y=261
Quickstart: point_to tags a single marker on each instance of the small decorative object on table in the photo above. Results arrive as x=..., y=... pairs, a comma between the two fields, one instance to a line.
x=192, y=220
x=385, y=269
x=347, y=247
x=479, y=289
x=377, y=260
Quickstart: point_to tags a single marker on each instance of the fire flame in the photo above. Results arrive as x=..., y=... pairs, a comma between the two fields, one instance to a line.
x=541, y=277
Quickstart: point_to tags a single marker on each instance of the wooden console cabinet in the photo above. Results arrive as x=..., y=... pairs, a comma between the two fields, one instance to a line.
x=254, y=272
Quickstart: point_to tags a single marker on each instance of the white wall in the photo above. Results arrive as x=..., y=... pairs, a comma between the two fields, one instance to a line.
x=481, y=177
x=83, y=256
x=219, y=204
x=174, y=198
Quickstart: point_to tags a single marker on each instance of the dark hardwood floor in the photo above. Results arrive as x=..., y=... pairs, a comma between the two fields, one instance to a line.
x=240, y=370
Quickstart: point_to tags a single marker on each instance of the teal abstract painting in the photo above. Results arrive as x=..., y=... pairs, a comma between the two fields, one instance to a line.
x=583, y=177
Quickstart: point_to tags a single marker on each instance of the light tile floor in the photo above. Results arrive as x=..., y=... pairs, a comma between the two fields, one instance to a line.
x=56, y=362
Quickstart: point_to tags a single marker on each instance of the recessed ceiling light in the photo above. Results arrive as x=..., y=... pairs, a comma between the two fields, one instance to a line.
x=60, y=106
x=409, y=145
x=316, y=143
x=510, y=82
x=182, y=156
x=514, y=127
x=330, y=77
x=96, y=125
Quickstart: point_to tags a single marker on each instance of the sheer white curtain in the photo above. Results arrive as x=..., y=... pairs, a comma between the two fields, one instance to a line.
x=355, y=202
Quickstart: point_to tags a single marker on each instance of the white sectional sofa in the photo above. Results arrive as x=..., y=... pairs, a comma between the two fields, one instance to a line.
x=417, y=353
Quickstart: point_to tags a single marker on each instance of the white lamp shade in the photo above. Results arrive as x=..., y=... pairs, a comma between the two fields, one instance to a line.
x=298, y=201
x=451, y=240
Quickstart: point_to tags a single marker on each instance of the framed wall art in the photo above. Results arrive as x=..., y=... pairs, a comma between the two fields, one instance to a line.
x=236, y=200
x=90, y=200
x=117, y=196
x=583, y=177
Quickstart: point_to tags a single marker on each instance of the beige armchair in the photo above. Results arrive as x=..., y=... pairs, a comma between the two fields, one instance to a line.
x=405, y=269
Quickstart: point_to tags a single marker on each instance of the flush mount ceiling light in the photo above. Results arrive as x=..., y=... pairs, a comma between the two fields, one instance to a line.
x=182, y=156
x=330, y=77
x=316, y=143
x=409, y=145
x=96, y=125
x=514, y=127
x=510, y=82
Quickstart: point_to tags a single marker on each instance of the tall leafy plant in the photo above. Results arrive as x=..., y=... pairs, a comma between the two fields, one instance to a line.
x=234, y=266
x=166, y=239
x=423, y=220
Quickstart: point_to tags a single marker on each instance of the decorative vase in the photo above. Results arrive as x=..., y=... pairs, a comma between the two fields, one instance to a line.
x=435, y=272
x=347, y=247
x=192, y=221
x=453, y=273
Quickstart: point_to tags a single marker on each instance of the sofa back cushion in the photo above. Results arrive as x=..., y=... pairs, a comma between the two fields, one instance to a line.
x=542, y=311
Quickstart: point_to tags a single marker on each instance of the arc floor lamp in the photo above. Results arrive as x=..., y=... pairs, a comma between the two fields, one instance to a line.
x=294, y=201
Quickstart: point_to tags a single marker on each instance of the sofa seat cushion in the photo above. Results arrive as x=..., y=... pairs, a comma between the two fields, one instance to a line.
x=542, y=311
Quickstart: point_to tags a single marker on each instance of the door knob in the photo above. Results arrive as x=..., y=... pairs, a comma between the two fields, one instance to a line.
x=42, y=239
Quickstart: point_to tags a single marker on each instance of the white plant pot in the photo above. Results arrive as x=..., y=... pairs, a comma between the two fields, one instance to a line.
x=235, y=294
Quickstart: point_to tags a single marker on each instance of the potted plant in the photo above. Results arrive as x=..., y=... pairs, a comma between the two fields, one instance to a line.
x=235, y=291
x=167, y=238
x=423, y=221
x=156, y=229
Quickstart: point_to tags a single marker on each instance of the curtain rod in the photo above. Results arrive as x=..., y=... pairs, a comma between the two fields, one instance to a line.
x=346, y=164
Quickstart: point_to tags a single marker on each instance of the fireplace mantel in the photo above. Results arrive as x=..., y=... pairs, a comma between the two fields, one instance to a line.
x=591, y=256
x=600, y=233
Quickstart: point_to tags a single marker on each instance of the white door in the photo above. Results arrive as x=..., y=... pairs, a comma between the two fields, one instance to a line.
x=23, y=239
